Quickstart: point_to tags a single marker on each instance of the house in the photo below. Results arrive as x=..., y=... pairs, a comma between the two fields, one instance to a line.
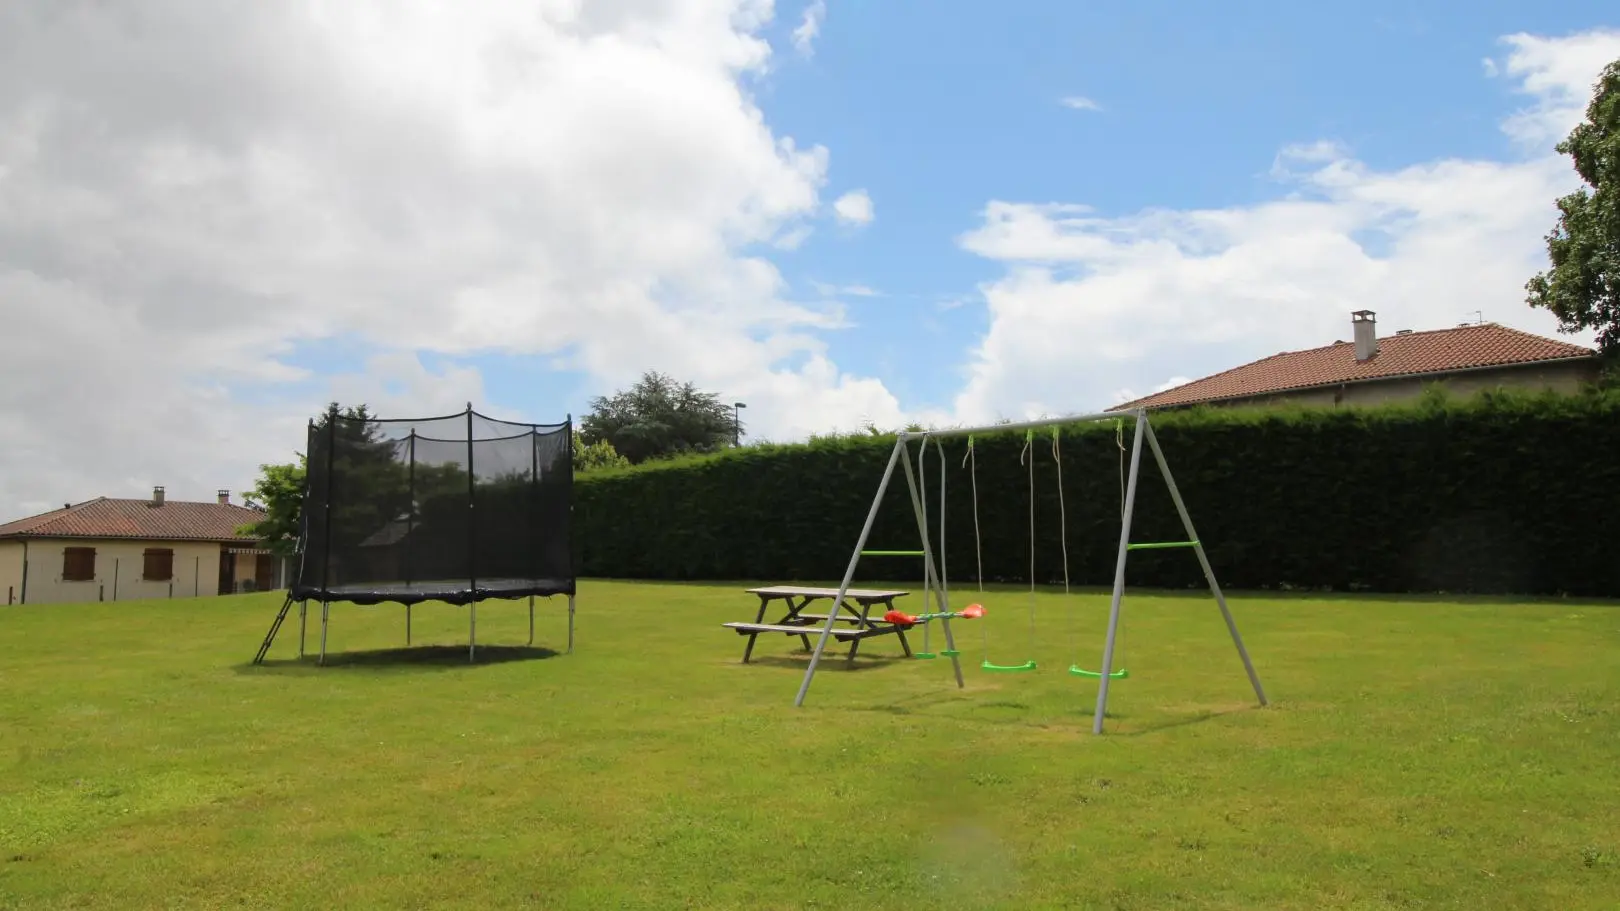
x=1370, y=370
x=122, y=549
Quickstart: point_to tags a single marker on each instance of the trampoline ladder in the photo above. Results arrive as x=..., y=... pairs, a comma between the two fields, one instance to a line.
x=275, y=627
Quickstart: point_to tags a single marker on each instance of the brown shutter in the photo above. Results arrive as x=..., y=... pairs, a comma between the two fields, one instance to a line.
x=159, y=564
x=78, y=564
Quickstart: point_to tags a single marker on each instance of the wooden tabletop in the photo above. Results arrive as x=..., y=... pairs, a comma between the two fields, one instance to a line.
x=859, y=594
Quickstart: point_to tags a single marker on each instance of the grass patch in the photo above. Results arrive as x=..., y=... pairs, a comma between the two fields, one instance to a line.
x=1417, y=754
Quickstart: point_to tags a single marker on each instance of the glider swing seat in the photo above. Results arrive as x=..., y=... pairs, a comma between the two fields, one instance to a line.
x=935, y=585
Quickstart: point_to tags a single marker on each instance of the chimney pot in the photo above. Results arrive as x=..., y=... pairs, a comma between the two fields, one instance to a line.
x=157, y=496
x=224, y=497
x=1365, y=325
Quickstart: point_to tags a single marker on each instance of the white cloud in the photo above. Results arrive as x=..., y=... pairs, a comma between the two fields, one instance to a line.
x=1093, y=306
x=189, y=191
x=854, y=208
x=1558, y=75
x=804, y=36
x=1081, y=103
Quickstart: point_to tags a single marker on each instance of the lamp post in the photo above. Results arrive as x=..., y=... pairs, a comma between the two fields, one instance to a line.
x=736, y=423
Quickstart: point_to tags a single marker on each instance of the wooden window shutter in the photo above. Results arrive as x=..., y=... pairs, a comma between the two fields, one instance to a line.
x=159, y=564
x=78, y=564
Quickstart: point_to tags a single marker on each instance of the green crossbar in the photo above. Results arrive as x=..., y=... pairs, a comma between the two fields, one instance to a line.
x=1161, y=545
x=891, y=553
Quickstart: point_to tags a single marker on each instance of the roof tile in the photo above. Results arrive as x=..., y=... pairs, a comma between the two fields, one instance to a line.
x=174, y=520
x=1414, y=353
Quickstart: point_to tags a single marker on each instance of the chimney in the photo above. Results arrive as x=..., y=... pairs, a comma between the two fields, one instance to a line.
x=157, y=496
x=1365, y=326
x=224, y=497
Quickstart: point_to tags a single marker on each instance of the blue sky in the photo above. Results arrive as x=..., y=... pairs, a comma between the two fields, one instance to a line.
x=524, y=205
x=935, y=108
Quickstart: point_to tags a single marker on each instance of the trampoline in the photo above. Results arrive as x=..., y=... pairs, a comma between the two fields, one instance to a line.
x=457, y=509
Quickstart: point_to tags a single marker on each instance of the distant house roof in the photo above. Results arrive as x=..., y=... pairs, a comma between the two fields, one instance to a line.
x=173, y=520
x=1409, y=354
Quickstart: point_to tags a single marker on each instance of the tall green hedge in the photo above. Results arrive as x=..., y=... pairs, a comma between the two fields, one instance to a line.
x=1504, y=493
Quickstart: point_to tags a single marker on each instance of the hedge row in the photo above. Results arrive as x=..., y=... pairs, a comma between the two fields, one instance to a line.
x=1504, y=493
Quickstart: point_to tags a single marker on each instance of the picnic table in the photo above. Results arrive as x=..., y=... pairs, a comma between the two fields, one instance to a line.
x=855, y=609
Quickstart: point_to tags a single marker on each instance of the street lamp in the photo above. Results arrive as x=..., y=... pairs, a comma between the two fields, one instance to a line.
x=736, y=423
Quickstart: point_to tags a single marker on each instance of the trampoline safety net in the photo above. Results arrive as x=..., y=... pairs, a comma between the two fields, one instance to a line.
x=458, y=508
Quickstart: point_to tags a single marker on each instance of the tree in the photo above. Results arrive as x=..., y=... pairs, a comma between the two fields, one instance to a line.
x=600, y=454
x=1583, y=286
x=280, y=491
x=280, y=488
x=658, y=418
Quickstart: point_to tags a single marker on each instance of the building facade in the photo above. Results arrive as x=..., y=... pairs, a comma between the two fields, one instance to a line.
x=124, y=549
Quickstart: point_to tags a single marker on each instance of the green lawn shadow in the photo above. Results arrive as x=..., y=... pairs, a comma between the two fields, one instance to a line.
x=426, y=657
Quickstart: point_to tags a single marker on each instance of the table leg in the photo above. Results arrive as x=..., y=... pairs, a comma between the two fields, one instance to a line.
x=759, y=617
x=794, y=615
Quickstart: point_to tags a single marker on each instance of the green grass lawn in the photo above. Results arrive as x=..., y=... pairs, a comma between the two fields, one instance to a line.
x=1418, y=753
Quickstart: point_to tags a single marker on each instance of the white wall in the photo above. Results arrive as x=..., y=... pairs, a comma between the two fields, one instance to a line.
x=11, y=556
x=196, y=571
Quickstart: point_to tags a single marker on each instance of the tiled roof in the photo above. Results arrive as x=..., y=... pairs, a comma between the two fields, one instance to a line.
x=1412, y=354
x=102, y=517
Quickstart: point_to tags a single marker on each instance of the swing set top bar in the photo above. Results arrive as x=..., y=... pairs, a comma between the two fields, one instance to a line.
x=1134, y=414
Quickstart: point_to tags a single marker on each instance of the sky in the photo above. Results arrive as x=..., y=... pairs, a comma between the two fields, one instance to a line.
x=217, y=218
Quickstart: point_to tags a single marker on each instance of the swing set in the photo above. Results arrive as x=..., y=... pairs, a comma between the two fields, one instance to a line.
x=935, y=586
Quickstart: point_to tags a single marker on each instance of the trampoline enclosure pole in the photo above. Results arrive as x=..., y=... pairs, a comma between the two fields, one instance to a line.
x=472, y=542
x=326, y=524
x=410, y=525
x=472, y=514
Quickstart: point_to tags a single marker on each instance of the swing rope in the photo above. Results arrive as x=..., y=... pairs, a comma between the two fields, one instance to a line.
x=941, y=590
x=1119, y=441
x=1029, y=439
x=944, y=576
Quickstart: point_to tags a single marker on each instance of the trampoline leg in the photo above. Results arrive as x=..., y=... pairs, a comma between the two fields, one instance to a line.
x=570, y=624
x=472, y=629
x=407, y=624
x=531, y=619
x=303, y=625
x=326, y=613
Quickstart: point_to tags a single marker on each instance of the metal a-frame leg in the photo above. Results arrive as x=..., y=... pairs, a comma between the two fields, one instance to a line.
x=849, y=572
x=1119, y=575
x=1203, y=561
x=930, y=573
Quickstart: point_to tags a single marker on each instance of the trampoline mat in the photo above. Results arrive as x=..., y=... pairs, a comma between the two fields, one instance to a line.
x=453, y=591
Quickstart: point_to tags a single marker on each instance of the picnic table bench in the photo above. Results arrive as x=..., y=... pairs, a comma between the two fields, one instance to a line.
x=855, y=609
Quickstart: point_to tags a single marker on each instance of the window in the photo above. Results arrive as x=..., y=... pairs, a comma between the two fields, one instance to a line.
x=159, y=566
x=78, y=564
